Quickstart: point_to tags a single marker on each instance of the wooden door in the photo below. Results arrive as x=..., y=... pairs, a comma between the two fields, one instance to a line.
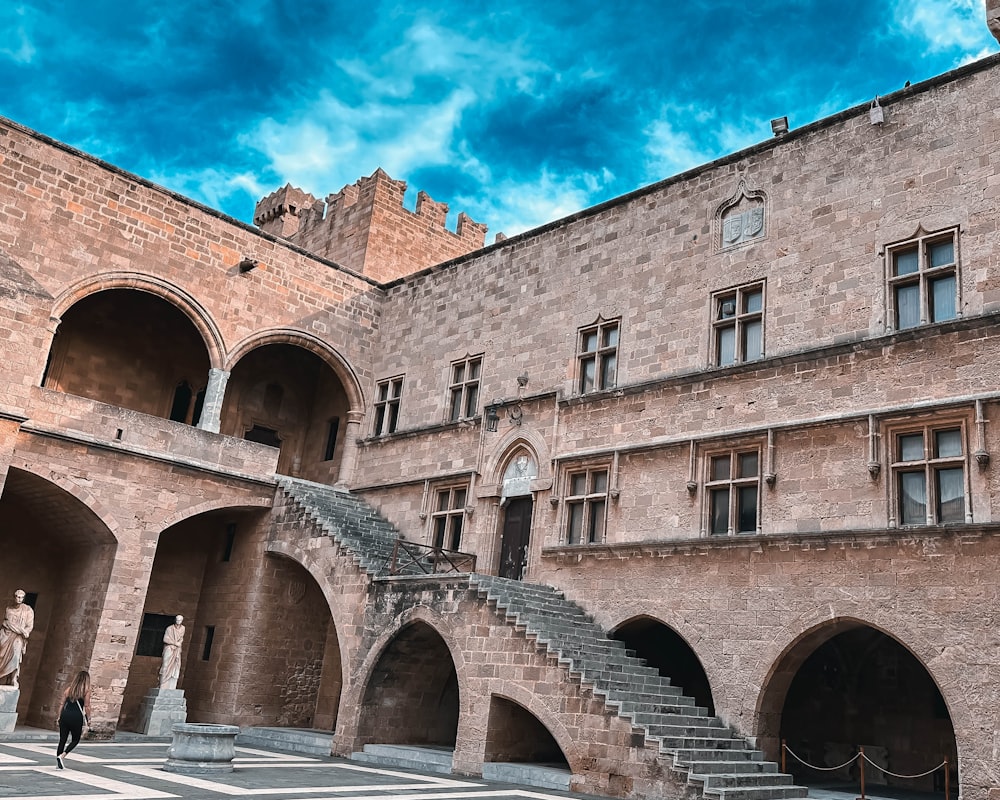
x=515, y=538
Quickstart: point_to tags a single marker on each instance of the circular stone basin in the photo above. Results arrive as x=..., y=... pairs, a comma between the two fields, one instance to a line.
x=200, y=749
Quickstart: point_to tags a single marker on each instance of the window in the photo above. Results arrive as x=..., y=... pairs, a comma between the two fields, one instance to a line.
x=387, y=393
x=464, y=389
x=586, y=506
x=733, y=488
x=447, y=519
x=150, y=640
x=331, y=439
x=598, y=356
x=738, y=325
x=928, y=466
x=923, y=280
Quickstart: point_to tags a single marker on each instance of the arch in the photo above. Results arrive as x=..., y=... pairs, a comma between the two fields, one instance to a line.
x=218, y=504
x=526, y=438
x=570, y=747
x=669, y=652
x=328, y=355
x=776, y=679
x=91, y=503
x=191, y=308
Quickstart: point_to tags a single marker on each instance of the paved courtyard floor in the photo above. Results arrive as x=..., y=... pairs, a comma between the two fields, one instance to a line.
x=131, y=770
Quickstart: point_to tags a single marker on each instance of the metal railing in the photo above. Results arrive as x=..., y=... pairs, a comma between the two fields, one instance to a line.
x=411, y=558
x=861, y=758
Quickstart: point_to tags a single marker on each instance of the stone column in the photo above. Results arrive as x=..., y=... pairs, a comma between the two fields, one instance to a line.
x=215, y=393
x=349, y=459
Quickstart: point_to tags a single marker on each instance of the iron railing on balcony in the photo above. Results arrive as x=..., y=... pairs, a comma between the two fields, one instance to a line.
x=411, y=558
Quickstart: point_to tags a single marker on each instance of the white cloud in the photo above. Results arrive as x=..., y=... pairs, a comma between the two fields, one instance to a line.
x=671, y=147
x=525, y=203
x=16, y=35
x=945, y=24
x=212, y=187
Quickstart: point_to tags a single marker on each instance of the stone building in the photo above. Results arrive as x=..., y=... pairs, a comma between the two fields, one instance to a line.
x=411, y=489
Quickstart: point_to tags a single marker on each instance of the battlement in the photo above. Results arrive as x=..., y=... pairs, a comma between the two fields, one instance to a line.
x=365, y=227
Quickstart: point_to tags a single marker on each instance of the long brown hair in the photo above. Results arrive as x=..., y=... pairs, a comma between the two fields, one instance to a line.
x=80, y=687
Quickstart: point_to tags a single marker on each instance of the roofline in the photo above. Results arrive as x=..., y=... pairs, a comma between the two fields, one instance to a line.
x=185, y=200
x=981, y=65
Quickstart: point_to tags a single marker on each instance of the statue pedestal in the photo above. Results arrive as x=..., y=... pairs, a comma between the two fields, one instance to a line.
x=161, y=709
x=8, y=708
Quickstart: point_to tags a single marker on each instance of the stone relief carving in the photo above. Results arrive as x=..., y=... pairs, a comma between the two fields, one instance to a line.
x=517, y=478
x=742, y=217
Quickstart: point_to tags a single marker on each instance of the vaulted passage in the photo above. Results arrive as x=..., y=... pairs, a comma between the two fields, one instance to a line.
x=412, y=695
x=851, y=685
x=516, y=735
x=284, y=396
x=131, y=349
x=212, y=570
x=664, y=649
x=61, y=554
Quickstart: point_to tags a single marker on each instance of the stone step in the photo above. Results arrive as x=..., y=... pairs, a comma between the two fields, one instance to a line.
x=537, y=775
x=714, y=766
x=670, y=718
x=757, y=793
x=293, y=740
x=426, y=759
x=683, y=758
x=672, y=744
x=680, y=731
x=729, y=780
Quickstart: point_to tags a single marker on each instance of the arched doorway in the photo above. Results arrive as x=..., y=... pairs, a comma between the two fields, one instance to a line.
x=516, y=505
x=412, y=694
x=848, y=685
x=131, y=349
x=61, y=554
x=664, y=649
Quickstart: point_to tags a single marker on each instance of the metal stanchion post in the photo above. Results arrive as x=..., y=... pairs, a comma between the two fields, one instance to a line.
x=783, y=757
x=861, y=762
x=947, y=788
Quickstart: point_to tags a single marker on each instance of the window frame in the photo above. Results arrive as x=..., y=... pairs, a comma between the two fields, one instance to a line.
x=448, y=523
x=923, y=277
x=386, y=406
x=738, y=321
x=463, y=390
x=732, y=484
x=599, y=356
x=595, y=525
x=930, y=466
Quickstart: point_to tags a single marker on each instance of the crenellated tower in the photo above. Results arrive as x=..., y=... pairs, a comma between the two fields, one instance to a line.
x=365, y=227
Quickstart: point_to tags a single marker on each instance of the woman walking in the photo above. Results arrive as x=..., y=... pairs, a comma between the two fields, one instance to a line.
x=75, y=712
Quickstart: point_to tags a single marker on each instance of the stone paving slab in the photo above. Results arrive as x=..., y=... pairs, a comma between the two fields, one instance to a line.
x=131, y=770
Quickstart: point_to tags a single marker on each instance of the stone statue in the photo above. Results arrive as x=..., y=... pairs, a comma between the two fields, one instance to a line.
x=170, y=669
x=18, y=620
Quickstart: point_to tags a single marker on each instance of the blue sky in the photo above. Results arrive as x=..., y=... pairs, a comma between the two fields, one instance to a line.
x=517, y=112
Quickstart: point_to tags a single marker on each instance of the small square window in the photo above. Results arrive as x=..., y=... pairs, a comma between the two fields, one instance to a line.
x=929, y=475
x=448, y=518
x=586, y=506
x=733, y=488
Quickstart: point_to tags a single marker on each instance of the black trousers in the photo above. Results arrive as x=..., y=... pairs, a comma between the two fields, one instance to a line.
x=70, y=724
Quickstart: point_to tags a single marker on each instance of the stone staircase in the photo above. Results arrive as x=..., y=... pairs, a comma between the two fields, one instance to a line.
x=698, y=748
x=348, y=520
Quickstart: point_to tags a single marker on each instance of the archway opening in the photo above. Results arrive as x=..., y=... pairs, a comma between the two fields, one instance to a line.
x=285, y=396
x=849, y=686
x=664, y=649
x=61, y=554
x=260, y=646
x=412, y=694
x=130, y=349
x=516, y=735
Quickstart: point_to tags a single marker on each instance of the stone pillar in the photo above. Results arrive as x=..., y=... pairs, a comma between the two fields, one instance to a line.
x=349, y=459
x=8, y=708
x=215, y=393
x=161, y=709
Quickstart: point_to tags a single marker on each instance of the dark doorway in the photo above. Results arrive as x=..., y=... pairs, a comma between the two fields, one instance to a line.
x=665, y=649
x=515, y=537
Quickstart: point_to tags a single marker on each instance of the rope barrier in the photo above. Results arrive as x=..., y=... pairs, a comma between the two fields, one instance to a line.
x=897, y=775
x=850, y=761
x=862, y=758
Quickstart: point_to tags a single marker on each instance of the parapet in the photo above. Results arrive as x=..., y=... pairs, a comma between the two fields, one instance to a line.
x=365, y=227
